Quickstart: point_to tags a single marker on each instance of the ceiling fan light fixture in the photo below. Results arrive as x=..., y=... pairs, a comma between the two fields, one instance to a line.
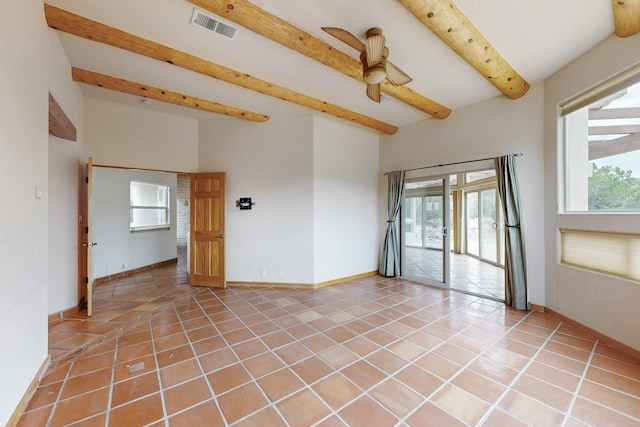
x=374, y=75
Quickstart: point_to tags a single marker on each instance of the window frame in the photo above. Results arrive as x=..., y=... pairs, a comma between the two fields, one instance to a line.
x=166, y=208
x=597, y=92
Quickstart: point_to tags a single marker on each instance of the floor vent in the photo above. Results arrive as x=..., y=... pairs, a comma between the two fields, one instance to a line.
x=215, y=24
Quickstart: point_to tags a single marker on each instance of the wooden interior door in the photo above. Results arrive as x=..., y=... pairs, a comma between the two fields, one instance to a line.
x=85, y=242
x=207, y=263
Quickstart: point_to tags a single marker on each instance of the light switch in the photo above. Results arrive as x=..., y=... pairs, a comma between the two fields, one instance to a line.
x=39, y=193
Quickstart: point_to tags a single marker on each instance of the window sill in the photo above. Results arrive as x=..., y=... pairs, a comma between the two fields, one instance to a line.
x=620, y=222
x=150, y=228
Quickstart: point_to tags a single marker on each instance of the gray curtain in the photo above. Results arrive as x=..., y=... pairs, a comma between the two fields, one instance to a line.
x=390, y=259
x=515, y=268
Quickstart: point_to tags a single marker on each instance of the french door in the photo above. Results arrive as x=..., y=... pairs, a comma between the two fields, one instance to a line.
x=426, y=229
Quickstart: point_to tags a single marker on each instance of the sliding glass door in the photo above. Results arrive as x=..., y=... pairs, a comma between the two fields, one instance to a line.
x=451, y=232
x=426, y=226
x=484, y=237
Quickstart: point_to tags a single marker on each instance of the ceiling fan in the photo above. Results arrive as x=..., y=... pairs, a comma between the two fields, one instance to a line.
x=373, y=56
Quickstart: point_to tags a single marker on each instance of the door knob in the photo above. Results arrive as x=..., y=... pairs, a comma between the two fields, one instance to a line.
x=89, y=244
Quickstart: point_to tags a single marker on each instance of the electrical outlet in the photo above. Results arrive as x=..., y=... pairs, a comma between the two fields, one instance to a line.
x=124, y=266
x=263, y=272
x=280, y=273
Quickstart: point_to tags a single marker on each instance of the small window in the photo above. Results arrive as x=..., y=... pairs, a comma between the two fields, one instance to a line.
x=603, y=152
x=149, y=206
x=479, y=176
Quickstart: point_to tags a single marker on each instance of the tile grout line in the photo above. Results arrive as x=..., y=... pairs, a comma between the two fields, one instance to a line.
x=520, y=374
x=55, y=404
x=286, y=365
x=214, y=396
x=230, y=347
x=456, y=374
x=309, y=386
x=575, y=394
x=111, y=385
x=165, y=417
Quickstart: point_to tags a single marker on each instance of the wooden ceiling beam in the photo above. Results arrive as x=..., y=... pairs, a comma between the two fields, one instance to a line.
x=139, y=89
x=82, y=27
x=447, y=22
x=254, y=18
x=626, y=17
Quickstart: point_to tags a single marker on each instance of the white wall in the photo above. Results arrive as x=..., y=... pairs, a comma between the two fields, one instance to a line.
x=271, y=162
x=118, y=248
x=119, y=135
x=25, y=41
x=492, y=128
x=345, y=200
x=602, y=302
x=64, y=159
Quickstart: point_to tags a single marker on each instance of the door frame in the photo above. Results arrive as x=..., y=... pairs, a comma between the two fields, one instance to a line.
x=85, y=278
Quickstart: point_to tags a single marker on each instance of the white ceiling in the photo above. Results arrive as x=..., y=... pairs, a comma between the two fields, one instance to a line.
x=536, y=37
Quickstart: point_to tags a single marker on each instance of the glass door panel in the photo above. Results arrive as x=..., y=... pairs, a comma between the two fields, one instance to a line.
x=472, y=224
x=433, y=222
x=488, y=226
x=424, y=227
x=413, y=222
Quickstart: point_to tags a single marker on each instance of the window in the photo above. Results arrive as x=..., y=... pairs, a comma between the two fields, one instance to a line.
x=479, y=176
x=602, y=134
x=149, y=206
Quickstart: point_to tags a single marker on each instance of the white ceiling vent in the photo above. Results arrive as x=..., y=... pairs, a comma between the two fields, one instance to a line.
x=213, y=23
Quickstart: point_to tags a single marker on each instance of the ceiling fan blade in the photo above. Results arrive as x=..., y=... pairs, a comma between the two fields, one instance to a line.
x=396, y=76
x=374, y=46
x=345, y=37
x=373, y=92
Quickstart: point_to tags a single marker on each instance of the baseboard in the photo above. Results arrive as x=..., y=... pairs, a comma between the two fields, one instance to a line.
x=272, y=285
x=605, y=339
x=24, y=402
x=54, y=317
x=131, y=272
x=345, y=279
x=536, y=307
x=304, y=285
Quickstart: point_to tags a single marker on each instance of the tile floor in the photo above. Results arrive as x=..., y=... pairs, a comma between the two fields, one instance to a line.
x=468, y=274
x=370, y=352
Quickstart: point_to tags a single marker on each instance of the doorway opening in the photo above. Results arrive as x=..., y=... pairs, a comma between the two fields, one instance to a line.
x=452, y=233
x=183, y=220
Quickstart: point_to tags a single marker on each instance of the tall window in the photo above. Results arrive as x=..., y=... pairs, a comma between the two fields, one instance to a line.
x=603, y=150
x=149, y=206
x=602, y=176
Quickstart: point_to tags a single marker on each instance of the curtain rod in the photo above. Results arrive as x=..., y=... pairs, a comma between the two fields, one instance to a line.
x=454, y=163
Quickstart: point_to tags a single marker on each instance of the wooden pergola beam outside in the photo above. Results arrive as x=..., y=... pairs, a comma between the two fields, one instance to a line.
x=448, y=22
x=624, y=144
x=82, y=27
x=139, y=89
x=256, y=19
x=613, y=129
x=613, y=113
